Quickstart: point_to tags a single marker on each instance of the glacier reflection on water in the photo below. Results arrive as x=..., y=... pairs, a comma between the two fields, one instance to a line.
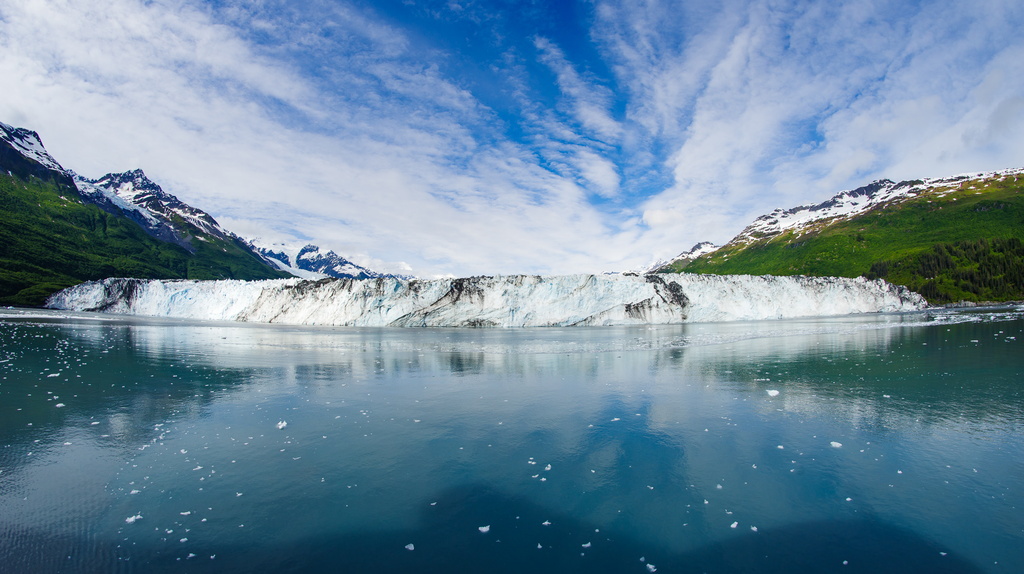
x=888, y=442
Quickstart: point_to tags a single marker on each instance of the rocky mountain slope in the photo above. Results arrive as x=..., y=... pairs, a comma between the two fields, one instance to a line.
x=313, y=262
x=58, y=229
x=161, y=214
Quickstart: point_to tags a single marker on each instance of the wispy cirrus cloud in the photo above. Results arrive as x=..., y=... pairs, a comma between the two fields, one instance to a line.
x=496, y=138
x=786, y=102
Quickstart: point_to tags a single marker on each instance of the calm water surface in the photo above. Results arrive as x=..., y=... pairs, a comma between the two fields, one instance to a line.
x=863, y=444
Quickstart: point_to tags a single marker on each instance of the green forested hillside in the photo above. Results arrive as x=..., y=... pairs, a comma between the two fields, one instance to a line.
x=949, y=244
x=50, y=240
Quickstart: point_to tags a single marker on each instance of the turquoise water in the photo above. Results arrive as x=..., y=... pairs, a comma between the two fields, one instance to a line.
x=861, y=444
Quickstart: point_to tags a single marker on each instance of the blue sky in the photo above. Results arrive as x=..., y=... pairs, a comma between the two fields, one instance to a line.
x=476, y=137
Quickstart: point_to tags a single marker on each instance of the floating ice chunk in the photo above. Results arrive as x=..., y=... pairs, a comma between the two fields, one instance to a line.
x=59, y=405
x=780, y=447
x=548, y=467
x=586, y=545
x=183, y=540
x=651, y=567
x=616, y=419
x=539, y=546
x=282, y=424
x=734, y=525
x=238, y=494
x=484, y=529
x=132, y=519
x=94, y=423
x=186, y=513
x=135, y=491
x=410, y=547
x=546, y=523
x=753, y=529
x=773, y=393
x=836, y=444
x=649, y=487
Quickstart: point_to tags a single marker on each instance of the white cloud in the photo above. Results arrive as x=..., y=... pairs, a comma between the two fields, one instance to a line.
x=402, y=180
x=588, y=102
x=320, y=121
x=787, y=103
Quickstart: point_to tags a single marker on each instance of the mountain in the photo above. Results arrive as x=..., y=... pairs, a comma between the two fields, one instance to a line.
x=951, y=239
x=681, y=260
x=312, y=262
x=508, y=301
x=58, y=229
x=161, y=214
x=23, y=156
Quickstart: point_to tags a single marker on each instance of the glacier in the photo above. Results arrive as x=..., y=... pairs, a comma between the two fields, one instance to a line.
x=500, y=301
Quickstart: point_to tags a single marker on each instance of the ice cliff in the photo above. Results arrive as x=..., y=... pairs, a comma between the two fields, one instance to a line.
x=504, y=301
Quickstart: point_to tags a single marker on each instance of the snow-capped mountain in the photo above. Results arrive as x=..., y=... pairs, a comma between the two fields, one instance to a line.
x=22, y=154
x=702, y=248
x=161, y=214
x=56, y=236
x=512, y=301
x=850, y=203
x=27, y=143
x=130, y=194
x=312, y=262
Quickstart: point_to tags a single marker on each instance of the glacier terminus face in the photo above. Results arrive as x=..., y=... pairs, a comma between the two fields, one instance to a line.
x=501, y=301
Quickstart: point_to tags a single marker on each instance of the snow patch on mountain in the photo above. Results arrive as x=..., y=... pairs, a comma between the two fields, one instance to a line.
x=850, y=203
x=99, y=195
x=135, y=193
x=282, y=256
x=28, y=144
x=702, y=248
x=309, y=261
x=503, y=301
